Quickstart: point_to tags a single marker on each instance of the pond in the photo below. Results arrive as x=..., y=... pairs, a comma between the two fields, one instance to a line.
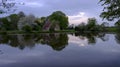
x=60, y=50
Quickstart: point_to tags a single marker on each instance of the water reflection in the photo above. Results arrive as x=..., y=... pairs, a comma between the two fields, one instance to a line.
x=79, y=50
x=92, y=37
x=1, y=52
x=117, y=38
x=56, y=41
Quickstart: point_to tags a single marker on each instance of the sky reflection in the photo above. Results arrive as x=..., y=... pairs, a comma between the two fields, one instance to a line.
x=105, y=54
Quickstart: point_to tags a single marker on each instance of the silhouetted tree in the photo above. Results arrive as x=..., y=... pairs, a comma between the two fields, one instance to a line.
x=6, y=6
x=111, y=9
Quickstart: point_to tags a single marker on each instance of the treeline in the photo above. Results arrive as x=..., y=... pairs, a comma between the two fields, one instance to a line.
x=22, y=22
x=18, y=21
x=93, y=26
x=57, y=21
x=56, y=41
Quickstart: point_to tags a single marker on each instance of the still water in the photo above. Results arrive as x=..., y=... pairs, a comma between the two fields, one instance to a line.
x=60, y=50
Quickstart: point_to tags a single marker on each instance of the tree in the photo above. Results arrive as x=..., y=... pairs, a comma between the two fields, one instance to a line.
x=27, y=20
x=27, y=28
x=111, y=9
x=105, y=24
x=61, y=18
x=117, y=38
x=13, y=19
x=91, y=25
x=71, y=27
x=41, y=21
x=21, y=14
x=81, y=27
x=92, y=21
x=5, y=24
x=117, y=24
x=9, y=22
x=6, y=5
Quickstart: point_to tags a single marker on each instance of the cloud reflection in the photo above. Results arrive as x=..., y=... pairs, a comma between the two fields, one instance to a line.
x=80, y=41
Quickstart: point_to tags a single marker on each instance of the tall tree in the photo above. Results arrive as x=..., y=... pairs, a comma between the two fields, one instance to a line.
x=61, y=18
x=92, y=23
x=13, y=20
x=111, y=9
x=27, y=20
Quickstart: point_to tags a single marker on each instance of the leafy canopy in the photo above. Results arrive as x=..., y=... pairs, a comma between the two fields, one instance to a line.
x=60, y=17
x=111, y=9
x=8, y=6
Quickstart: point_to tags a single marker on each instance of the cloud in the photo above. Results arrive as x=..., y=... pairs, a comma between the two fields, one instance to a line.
x=78, y=18
x=72, y=8
x=34, y=4
x=80, y=41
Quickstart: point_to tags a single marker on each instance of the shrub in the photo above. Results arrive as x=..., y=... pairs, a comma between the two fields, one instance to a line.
x=27, y=28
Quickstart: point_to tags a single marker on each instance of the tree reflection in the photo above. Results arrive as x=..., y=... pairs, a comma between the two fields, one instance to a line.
x=1, y=52
x=91, y=36
x=117, y=38
x=103, y=37
x=56, y=41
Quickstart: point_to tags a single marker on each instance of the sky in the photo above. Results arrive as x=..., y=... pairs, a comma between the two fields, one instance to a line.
x=78, y=11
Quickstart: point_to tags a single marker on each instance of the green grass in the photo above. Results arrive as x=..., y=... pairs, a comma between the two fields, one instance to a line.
x=111, y=29
x=23, y=32
x=108, y=29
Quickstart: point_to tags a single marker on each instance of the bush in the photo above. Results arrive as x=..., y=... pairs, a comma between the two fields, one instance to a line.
x=37, y=28
x=27, y=28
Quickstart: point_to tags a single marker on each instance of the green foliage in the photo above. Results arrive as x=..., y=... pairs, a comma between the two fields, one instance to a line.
x=92, y=24
x=27, y=28
x=117, y=24
x=61, y=18
x=9, y=22
x=5, y=24
x=14, y=18
x=60, y=43
x=40, y=21
x=92, y=21
x=37, y=28
x=111, y=9
x=81, y=27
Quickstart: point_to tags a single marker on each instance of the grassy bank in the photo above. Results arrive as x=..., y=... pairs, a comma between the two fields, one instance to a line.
x=24, y=32
x=111, y=29
x=107, y=29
